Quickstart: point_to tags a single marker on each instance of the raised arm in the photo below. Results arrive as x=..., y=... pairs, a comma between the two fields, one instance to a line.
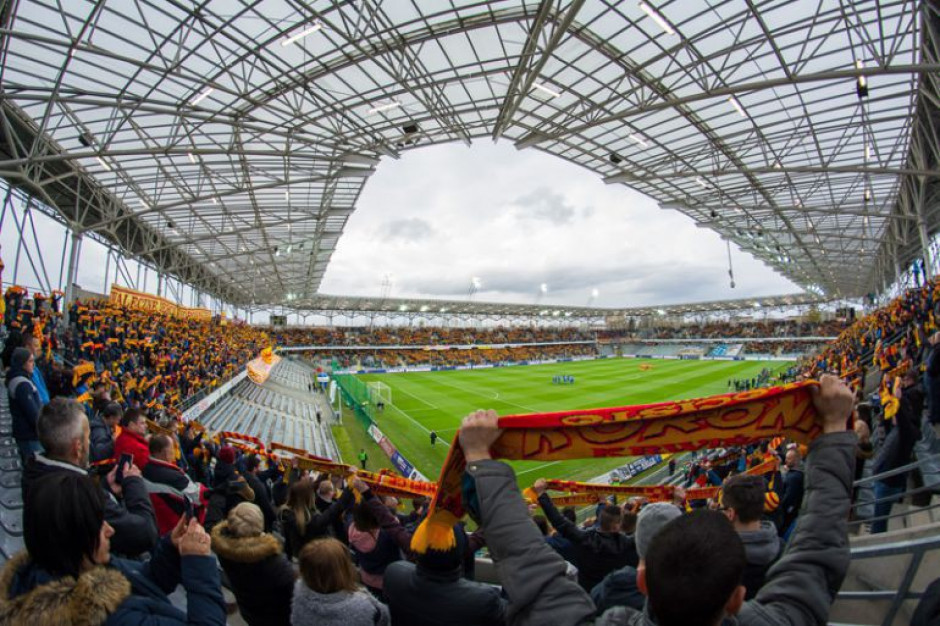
x=532, y=574
x=800, y=588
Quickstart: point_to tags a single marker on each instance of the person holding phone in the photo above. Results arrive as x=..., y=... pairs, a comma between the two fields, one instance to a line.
x=65, y=436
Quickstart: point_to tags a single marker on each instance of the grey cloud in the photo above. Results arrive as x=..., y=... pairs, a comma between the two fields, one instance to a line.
x=546, y=205
x=409, y=230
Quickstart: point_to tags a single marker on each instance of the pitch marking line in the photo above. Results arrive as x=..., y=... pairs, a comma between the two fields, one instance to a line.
x=418, y=424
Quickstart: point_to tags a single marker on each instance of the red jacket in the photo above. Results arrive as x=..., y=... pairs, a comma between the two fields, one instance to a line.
x=133, y=444
x=168, y=485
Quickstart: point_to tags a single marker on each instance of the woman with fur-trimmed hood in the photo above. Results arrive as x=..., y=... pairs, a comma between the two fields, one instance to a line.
x=261, y=576
x=68, y=576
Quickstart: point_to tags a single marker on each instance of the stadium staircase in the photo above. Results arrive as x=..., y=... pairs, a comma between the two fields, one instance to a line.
x=11, y=498
x=282, y=410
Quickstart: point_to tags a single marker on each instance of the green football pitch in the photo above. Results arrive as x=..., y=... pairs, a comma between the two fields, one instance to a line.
x=426, y=401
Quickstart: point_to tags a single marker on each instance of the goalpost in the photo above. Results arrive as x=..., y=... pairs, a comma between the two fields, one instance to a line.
x=380, y=393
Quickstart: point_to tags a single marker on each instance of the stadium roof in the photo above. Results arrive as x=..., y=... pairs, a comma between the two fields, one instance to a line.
x=431, y=308
x=227, y=142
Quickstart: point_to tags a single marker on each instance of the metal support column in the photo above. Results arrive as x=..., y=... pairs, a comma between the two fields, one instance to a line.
x=72, y=275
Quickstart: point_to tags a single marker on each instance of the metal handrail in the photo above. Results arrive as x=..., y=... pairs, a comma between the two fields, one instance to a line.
x=917, y=548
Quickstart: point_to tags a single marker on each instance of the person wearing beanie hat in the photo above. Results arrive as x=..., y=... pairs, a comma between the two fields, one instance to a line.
x=261, y=577
x=620, y=588
x=24, y=403
x=742, y=501
x=434, y=592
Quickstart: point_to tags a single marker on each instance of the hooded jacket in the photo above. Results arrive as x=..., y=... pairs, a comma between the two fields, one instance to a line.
x=120, y=593
x=132, y=517
x=135, y=445
x=799, y=588
x=420, y=596
x=262, y=579
x=343, y=608
x=24, y=402
x=597, y=552
x=761, y=549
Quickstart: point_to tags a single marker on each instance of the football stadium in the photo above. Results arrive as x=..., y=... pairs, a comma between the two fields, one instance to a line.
x=556, y=312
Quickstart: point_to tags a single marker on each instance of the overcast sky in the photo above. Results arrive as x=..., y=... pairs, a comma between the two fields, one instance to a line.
x=442, y=215
x=517, y=219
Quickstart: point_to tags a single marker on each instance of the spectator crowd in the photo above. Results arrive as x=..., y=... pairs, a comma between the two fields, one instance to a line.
x=124, y=505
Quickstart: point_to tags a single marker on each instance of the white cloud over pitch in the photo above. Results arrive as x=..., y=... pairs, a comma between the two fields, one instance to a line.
x=517, y=219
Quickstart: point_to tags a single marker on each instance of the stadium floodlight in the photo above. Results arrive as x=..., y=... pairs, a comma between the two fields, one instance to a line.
x=637, y=139
x=656, y=17
x=867, y=152
x=595, y=293
x=737, y=106
x=385, y=107
x=103, y=163
x=202, y=96
x=546, y=90
x=300, y=34
x=861, y=85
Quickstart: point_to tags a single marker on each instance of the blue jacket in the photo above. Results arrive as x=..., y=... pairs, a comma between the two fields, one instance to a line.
x=40, y=383
x=24, y=404
x=123, y=592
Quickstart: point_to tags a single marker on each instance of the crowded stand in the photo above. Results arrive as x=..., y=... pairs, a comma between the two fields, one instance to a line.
x=122, y=496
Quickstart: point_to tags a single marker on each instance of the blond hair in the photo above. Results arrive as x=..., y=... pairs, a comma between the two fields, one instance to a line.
x=245, y=520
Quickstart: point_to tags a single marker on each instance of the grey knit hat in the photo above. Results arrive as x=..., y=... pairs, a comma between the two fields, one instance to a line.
x=650, y=521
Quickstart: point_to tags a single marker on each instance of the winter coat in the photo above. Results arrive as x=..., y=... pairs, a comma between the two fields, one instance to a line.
x=262, y=499
x=376, y=550
x=260, y=574
x=897, y=447
x=343, y=608
x=101, y=438
x=619, y=588
x=132, y=517
x=420, y=597
x=596, y=552
x=318, y=526
x=167, y=486
x=135, y=445
x=801, y=586
x=24, y=404
x=792, y=497
x=120, y=593
x=761, y=549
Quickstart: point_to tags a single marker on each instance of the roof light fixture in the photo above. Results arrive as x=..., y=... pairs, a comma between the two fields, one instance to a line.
x=867, y=194
x=867, y=152
x=737, y=106
x=701, y=182
x=546, y=90
x=202, y=96
x=300, y=34
x=394, y=104
x=861, y=83
x=656, y=17
x=638, y=140
x=103, y=163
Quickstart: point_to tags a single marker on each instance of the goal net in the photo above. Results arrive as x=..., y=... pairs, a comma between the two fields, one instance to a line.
x=380, y=393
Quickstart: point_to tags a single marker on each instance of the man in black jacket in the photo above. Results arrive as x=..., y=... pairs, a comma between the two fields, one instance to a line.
x=434, y=592
x=64, y=434
x=259, y=484
x=103, y=424
x=597, y=551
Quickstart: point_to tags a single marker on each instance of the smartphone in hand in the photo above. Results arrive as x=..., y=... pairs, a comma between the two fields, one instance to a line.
x=123, y=464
